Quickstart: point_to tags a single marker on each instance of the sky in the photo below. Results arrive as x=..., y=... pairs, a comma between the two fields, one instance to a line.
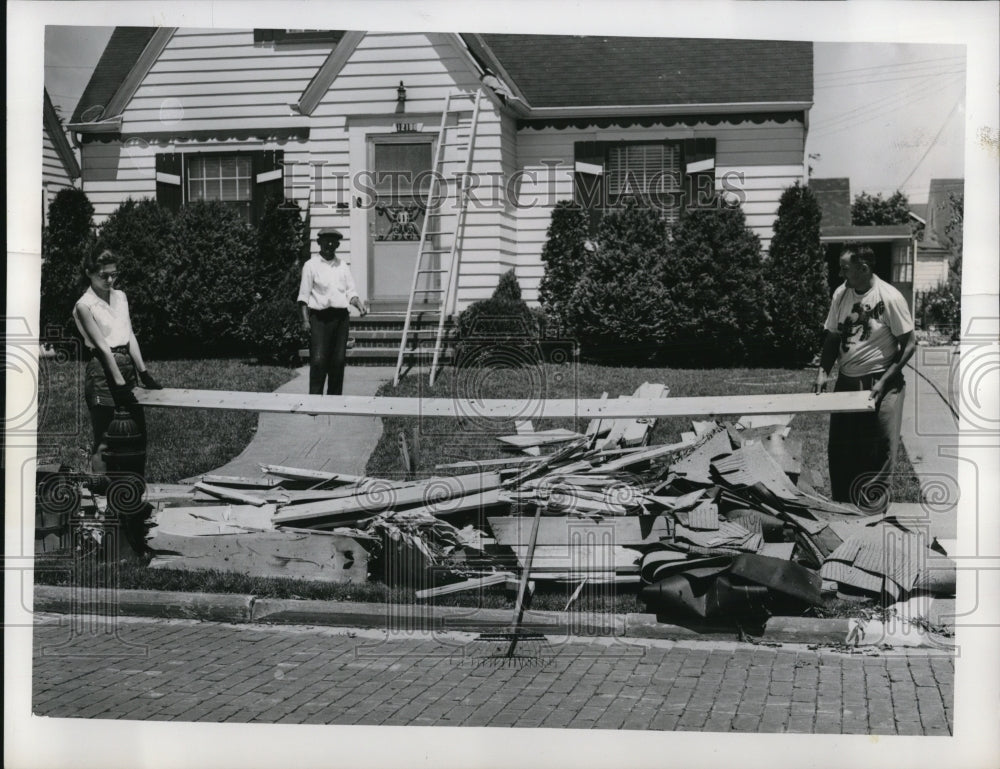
x=888, y=116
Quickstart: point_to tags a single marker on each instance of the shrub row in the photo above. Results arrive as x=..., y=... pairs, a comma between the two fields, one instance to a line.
x=695, y=293
x=202, y=281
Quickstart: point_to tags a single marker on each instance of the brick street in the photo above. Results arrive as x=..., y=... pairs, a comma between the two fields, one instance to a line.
x=183, y=670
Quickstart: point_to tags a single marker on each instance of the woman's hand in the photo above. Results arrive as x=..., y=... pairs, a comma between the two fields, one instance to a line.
x=148, y=382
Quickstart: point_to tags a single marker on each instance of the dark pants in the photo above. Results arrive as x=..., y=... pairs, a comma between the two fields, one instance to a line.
x=97, y=392
x=327, y=350
x=862, y=447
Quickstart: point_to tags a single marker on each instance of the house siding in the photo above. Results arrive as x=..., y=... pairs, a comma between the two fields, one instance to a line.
x=761, y=159
x=930, y=271
x=202, y=81
x=54, y=175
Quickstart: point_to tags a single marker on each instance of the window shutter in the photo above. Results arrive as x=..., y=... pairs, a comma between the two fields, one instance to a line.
x=169, y=180
x=588, y=180
x=269, y=183
x=699, y=172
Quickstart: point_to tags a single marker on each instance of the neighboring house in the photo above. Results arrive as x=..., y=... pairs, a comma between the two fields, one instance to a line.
x=935, y=249
x=894, y=245
x=60, y=168
x=182, y=115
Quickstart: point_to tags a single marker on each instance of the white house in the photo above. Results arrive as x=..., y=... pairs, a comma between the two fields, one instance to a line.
x=331, y=118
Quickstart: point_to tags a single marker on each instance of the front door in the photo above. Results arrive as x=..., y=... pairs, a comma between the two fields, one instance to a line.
x=401, y=167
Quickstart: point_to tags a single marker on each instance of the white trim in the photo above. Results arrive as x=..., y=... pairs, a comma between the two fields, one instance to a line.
x=701, y=165
x=168, y=178
x=589, y=168
x=669, y=109
x=269, y=176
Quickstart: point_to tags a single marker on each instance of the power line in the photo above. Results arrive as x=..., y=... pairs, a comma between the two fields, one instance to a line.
x=875, y=109
x=890, y=66
x=923, y=77
x=934, y=140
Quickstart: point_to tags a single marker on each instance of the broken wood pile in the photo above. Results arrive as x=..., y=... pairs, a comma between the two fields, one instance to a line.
x=724, y=523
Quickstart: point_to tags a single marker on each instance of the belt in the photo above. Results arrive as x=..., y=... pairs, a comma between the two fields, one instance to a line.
x=121, y=349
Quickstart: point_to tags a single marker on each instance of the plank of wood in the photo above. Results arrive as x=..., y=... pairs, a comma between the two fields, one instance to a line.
x=541, y=438
x=637, y=457
x=232, y=494
x=475, y=583
x=338, y=511
x=630, y=530
x=240, y=482
x=615, y=559
x=636, y=431
x=303, y=474
x=313, y=555
x=211, y=519
x=485, y=463
x=524, y=427
x=494, y=408
x=596, y=426
x=526, y=559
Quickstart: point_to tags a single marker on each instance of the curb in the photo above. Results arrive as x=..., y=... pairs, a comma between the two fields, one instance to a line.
x=245, y=609
x=213, y=607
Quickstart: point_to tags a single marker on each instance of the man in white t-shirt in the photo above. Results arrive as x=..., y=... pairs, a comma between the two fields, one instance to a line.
x=326, y=290
x=869, y=332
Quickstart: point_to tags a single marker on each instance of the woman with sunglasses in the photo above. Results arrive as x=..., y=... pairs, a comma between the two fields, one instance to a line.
x=102, y=317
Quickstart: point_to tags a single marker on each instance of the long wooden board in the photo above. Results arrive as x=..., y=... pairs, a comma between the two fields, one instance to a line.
x=581, y=532
x=618, y=408
x=435, y=492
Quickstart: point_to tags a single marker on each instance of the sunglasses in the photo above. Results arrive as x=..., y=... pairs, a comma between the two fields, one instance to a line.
x=108, y=275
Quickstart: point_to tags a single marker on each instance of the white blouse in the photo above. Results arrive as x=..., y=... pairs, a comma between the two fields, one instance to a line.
x=112, y=317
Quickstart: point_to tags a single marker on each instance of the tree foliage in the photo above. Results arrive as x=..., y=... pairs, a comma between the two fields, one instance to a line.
x=564, y=256
x=875, y=210
x=67, y=239
x=795, y=273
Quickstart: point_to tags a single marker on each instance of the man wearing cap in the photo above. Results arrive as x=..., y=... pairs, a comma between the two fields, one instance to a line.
x=326, y=290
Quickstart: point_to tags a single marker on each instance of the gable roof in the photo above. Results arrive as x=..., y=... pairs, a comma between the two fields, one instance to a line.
x=120, y=56
x=560, y=71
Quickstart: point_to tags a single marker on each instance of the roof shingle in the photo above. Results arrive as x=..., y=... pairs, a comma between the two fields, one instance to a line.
x=574, y=71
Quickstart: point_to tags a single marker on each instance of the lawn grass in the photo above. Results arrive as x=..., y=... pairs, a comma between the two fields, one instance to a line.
x=182, y=442
x=443, y=440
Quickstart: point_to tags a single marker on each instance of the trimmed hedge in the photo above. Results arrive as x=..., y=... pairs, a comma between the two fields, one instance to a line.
x=273, y=326
x=499, y=331
x=564, y=257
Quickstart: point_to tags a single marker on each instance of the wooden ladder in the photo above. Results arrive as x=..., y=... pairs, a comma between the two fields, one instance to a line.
x=428, y=265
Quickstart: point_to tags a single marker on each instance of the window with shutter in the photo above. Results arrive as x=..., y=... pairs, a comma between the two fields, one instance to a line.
x=243, y=181
x=648, y=173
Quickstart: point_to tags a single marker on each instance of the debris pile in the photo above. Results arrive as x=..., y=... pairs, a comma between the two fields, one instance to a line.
x=723, y=524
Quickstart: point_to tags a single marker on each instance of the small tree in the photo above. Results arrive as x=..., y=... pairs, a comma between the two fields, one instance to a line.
x=564, y=256
x=619, y=298
x=876, y=210
x=498, y=331
x=273, y=326
x=65, y=242
x=141, y=233
x=796, y=277
x=717, y=313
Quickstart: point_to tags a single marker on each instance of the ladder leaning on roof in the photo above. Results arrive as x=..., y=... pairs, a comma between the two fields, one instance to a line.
x=428, y=264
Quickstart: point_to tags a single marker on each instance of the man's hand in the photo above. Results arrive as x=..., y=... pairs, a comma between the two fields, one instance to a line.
x=361, y=306
x=822, y=381
x=305, y=326
x=877, y=393
x=148, y=381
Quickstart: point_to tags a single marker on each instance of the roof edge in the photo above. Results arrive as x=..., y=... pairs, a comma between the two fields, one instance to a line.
x=670, y=109
x=50, y=119
x=327, y=73
x=139, y=70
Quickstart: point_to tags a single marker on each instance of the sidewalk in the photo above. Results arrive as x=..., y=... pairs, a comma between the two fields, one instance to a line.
x=333, y=443
x=205, y=671
x=929, y=430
